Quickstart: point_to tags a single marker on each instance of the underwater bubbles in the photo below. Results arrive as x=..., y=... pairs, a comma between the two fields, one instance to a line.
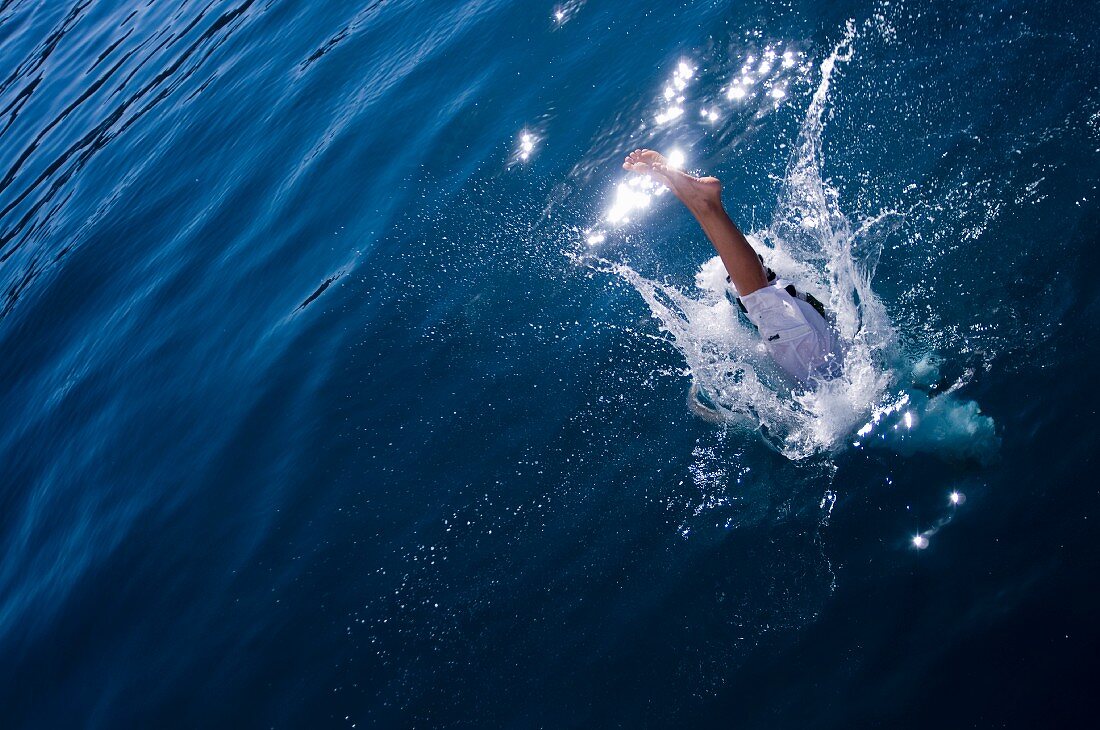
x=920, y=541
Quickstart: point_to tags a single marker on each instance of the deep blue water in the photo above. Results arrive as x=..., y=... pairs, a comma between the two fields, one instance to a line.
x=318, y=407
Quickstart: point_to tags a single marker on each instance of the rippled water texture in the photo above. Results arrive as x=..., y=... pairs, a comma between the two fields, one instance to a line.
x=347, y=381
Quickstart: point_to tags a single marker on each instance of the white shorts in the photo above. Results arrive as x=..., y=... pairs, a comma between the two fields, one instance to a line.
x=796, y=336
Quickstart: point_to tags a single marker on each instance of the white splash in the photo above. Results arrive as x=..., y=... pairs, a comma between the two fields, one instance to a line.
x=811, y=242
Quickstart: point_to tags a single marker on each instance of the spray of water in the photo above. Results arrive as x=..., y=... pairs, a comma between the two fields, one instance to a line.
x=810, y=241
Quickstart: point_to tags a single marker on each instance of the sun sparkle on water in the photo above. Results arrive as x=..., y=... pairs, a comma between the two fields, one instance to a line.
x=526, y=145
x=768, y=66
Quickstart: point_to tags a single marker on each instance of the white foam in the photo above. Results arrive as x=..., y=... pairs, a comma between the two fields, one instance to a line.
x=810, y=241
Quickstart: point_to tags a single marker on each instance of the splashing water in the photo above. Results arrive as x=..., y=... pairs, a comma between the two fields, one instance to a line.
x=809, y=241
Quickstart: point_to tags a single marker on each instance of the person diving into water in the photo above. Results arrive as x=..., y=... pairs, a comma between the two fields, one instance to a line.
x=792, y=325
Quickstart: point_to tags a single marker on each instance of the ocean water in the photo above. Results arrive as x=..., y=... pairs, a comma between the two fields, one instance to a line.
x=346, y=380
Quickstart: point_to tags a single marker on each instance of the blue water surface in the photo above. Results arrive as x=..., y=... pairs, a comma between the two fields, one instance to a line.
x=320, y=406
